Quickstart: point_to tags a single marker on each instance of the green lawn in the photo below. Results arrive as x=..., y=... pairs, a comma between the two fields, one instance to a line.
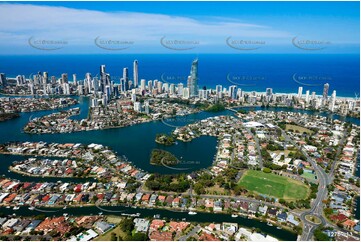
x=273, y=185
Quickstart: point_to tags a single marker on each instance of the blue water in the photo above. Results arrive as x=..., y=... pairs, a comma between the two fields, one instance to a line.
x=260, y=70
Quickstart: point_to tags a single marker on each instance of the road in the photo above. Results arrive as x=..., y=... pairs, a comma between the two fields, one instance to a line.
x=317, y=205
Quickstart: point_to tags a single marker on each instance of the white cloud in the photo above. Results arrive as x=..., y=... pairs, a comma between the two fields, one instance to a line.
x=81, y=27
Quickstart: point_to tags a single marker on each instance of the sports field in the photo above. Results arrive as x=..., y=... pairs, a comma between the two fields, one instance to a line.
x=273, y=185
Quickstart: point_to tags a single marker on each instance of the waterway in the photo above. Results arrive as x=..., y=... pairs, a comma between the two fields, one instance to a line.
x=136, y=143
x=199, y=217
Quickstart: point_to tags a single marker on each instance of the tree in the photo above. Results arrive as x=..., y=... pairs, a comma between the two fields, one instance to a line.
x=113, y=237
x=328, y=211
x=300, y=171
x=266, y=170
x=199, y=189
x=139, y=237
x=320, y=235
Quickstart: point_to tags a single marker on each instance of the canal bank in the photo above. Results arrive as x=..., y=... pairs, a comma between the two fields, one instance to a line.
x=175, y=215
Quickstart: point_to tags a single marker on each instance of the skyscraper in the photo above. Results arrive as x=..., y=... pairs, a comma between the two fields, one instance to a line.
x=64, y=78
x=333, y=101
x=150, y=85
x=269, y=92
x=124, y=81
x=300, y=90
x=3, y=79
x=180, y=89
x=142, y=85
x=325, y=93
x=232, y=92
x=307, y=96
x=125, y=74
x=192, y=82
x=135, y=73
x=45, y=77
x=186, y=92
x=313, y=95
x=103, y=78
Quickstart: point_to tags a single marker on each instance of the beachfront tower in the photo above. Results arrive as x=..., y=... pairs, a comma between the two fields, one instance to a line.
x=135, y=73
x=192, y=82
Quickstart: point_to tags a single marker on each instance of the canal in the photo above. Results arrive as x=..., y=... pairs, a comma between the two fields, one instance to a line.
x=136, y=143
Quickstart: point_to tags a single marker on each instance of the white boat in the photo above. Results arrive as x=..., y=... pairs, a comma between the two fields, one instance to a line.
x=278, y=227
x=7, y=206
x=156, y=216
x=234, y=215
x=65, y=214
x=16, y=208
x=192, y=213
x=64, y=207
x=31, y=208
x=100, y=213
x=269, y=224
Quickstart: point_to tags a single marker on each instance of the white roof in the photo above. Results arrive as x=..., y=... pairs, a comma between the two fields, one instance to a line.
x=253, y=124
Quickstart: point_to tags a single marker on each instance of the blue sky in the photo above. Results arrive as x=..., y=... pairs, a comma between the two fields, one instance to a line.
x=179, y=27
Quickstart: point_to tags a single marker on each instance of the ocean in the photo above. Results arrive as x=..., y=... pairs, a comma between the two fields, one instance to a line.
x=250, y=72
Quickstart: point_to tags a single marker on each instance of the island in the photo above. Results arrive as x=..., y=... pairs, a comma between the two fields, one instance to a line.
x=161, y=157
x=164, y=139
x=218, y=107
x=8, y=116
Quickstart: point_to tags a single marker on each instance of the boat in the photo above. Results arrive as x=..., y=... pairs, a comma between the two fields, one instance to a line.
x=64, y=207
x=65, y=214
x=192, y=213
x=16, y=208
x=31, y=208
x=100, y=213
x=7, y=206
x=234, y=215
x=269, y=224
x=278, y=227
x=156, y=216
